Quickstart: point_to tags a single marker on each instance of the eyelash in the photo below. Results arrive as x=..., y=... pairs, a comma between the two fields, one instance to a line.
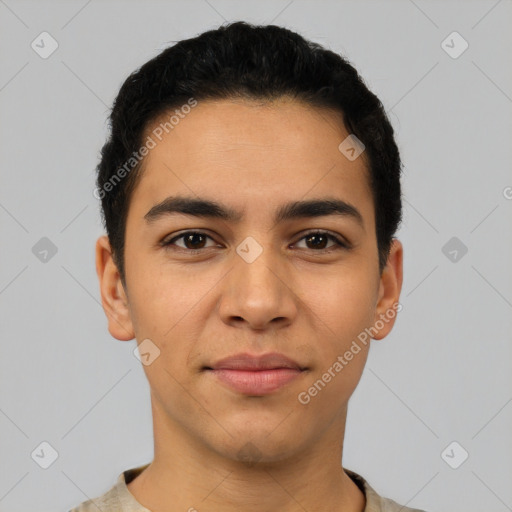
x=340, y=243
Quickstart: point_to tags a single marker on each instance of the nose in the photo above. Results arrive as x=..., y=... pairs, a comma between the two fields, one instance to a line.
x=258, y=294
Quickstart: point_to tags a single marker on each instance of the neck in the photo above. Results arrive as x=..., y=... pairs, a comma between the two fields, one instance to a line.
x=187, y=475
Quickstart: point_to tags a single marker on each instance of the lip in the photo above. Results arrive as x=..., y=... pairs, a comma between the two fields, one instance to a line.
x=256, y=375
x=245, y=361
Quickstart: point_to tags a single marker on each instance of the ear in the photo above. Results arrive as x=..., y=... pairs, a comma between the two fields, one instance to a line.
x=113, y=295
x=389, y=292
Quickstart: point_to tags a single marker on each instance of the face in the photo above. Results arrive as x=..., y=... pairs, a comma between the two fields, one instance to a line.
x=271, y=250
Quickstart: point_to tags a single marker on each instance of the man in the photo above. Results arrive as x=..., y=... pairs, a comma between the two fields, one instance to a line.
x=250, y=191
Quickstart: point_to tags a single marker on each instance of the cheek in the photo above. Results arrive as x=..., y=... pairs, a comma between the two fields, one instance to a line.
x=171, y=311
x=341, y=351
x=344, y=308
x=158, y=301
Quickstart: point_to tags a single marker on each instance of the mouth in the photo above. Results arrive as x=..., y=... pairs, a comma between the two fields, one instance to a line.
x=256, y=375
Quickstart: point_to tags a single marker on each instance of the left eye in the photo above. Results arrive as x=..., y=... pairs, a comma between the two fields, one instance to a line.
x=196, y=240
x=322, y=237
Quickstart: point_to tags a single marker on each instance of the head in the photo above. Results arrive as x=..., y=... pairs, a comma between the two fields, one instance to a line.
x=237, y=222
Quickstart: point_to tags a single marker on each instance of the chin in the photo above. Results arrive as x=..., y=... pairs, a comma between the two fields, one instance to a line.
x=261, y=447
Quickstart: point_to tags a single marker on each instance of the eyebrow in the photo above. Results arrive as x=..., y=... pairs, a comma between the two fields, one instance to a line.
x=206, y=208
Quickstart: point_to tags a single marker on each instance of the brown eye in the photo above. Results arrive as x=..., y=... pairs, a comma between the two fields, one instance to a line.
x=318, y=240
x=192, y=240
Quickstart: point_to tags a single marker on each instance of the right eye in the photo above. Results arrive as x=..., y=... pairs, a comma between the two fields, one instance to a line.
x=193, y=241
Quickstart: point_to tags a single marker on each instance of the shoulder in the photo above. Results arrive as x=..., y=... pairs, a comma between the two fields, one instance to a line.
x=388, y=505
x=109, y=501
x=375, y=502
x=117, y=498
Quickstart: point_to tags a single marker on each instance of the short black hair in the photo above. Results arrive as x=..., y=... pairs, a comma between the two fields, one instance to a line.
x=260, y=62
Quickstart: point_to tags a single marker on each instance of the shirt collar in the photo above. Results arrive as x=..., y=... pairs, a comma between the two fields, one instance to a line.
x=130, y=504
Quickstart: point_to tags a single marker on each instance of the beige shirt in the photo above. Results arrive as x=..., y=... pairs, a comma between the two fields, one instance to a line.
x=119, y=498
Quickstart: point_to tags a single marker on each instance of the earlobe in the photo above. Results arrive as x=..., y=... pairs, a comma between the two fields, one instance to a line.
x=113, y=296
x=389, y=292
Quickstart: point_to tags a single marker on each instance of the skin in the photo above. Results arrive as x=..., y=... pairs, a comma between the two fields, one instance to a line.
x=295, y=298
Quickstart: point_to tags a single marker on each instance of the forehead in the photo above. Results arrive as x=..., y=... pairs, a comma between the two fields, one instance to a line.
x=243, y=151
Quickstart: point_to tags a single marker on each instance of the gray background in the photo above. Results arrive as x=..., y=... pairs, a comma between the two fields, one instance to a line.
x=442, y=375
